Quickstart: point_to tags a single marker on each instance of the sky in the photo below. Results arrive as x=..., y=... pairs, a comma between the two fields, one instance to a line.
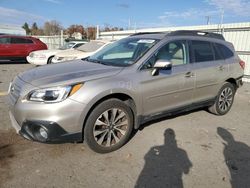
x=124, y=13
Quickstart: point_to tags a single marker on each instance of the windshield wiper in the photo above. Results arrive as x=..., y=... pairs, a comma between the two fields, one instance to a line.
x=95, y=61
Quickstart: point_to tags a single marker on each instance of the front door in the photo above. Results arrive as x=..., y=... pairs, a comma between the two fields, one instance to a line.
x=5, y=49
x=172, y=88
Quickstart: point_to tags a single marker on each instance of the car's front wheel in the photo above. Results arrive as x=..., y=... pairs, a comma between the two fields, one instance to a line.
x=50, y=60
x=108, y=126
x=224, y=100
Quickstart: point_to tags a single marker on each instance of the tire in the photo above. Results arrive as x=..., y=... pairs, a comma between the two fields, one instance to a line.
x=224, y=100
x=108, y=126
x=50, y=60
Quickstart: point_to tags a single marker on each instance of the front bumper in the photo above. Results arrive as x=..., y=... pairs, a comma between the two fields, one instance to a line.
x=68, y=114
x=51, y=131
x=54, y=60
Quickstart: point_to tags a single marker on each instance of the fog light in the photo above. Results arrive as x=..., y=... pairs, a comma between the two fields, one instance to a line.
x=43, y=133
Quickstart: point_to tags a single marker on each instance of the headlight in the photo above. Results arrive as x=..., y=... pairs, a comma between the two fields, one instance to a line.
x=69, y=58
x=53, y=95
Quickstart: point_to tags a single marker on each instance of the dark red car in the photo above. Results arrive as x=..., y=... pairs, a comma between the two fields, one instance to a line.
x=16, y=48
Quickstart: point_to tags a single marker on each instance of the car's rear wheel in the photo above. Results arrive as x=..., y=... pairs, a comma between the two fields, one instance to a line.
x=50, y=60
x=224, y=100
x=109, y=126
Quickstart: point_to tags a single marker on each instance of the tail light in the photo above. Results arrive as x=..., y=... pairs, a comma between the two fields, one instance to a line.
x=242, y=64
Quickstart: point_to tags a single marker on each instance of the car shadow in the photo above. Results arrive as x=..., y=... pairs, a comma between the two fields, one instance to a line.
x=12, y=62
x=163, y=118
x=237, y=158
x=6, y=155
x=164, y=165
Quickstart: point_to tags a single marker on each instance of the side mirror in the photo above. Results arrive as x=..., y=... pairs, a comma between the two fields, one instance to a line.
x=161, y=65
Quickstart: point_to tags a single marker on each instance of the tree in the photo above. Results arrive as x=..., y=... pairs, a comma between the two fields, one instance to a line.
x=26, y=28
x=76, y=28
x=52, y=28
x=34, y=29
x=91, y=33
x=108, y=27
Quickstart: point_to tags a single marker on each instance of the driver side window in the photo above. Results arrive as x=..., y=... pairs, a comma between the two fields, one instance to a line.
x=174, y=52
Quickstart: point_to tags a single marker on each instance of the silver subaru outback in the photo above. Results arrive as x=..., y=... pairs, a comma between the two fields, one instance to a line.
x=103, y=98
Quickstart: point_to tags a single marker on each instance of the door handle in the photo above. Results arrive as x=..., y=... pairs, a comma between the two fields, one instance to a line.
x=189, y=74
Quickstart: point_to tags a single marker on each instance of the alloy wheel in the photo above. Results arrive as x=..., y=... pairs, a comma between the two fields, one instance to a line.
x=225, y=99
x=110, y=127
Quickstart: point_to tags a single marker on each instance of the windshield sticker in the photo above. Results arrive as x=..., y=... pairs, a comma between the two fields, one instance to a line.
x=148, y=41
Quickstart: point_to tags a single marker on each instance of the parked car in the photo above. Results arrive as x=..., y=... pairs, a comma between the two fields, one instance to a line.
x=16, y=48
x=72, y=44
x=43, y=57
x=130, y=82
x=80, y=52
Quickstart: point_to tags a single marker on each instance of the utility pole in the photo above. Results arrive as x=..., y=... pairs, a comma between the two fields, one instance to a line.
x=129, y=24
x=97, y=32
x=61, y=38
x=222, y=20
x=87, y=31
x=208, y=19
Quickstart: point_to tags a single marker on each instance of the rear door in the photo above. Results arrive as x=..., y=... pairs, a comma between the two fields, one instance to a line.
x=5, y=50
x=21, y=46
x=172, y=88
x=208, y=67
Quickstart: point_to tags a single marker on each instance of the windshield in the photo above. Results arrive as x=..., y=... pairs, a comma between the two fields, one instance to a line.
x=91, y=46
x=67, y=46
x=124, y=52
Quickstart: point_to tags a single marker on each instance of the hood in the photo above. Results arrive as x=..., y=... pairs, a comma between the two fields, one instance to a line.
x=71, y=52
x=67, y=73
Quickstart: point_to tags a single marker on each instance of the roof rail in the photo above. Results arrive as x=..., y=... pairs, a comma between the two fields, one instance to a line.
x=146, y=33
x=196, y=33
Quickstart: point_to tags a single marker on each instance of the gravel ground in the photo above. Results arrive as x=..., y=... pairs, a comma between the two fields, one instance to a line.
x=196, y=149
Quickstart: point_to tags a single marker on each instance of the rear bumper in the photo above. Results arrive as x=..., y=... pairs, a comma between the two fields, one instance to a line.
x=36, y=61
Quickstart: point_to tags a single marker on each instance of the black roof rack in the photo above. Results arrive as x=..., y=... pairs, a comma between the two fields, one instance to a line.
x=146, y=33
x=196, y=33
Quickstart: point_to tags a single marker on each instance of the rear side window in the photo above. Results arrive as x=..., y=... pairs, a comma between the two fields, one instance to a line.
x=217, y=53
x=20, y=41
x=4, y=40
x=225, y=51
x=202, y=51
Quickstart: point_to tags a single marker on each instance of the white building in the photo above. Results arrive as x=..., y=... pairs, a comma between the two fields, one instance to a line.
x=237, y=33
x=12, y=29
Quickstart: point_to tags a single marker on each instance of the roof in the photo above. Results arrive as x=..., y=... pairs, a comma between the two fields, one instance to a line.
x=193, y=33
x=149, y=35
x=18, y=36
